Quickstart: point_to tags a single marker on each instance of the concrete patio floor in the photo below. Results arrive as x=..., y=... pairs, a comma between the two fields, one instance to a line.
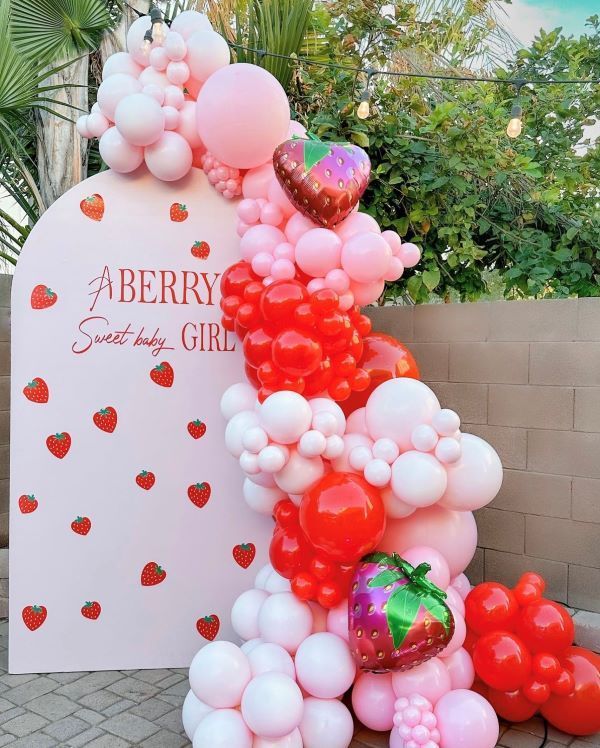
x=120, y=709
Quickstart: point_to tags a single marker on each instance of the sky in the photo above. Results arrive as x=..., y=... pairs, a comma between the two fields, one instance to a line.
x=526, y=17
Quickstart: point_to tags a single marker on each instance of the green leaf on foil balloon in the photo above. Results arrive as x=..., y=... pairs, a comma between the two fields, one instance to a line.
x=386, y=577
x=402, y=609
x=314, y=152
x=439, y=610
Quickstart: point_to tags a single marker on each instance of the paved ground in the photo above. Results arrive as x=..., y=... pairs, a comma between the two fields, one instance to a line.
x=120, y=709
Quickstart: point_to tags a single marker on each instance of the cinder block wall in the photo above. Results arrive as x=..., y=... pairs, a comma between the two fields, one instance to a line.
x=525, y=375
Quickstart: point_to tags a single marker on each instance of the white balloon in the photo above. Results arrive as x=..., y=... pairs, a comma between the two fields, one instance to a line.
x=448, y=450
x=115, y=88
x=271, y=658
x=260, y=498
x=446, y=422
x=135, y=39
x=272, y=705
x=193, y=713
x=337, y=620
x=476, y=478
x=219, y=673
x=326, y=723
x=273, y=458
x=341, y=464
x=424, y=437
x=121, y=62
x=418, y=479
x=285, y=620
x=394, y=507
x=159, y=59
x=356, y=422
x=300, y=473
x=285, y=416
x=397, y=406
x=223, y=728
x=152, y=77
x=293, y=740
x=324, y=666
x=378, y=473
x=175, y=46
x=255, y=439
x=207, y=53
x=334, y=447
x=235, y=399
x=312, y=443
x=360, y=457
x=325, y=422
x=262, y=576
x=118, y=154
x=386, y=449
x=82, y=127
x=276, y=583
x=140, y=119
x=249, y=463
x=263, y=479
x=323, y=407
x=190, y=21
x=237, y=426
x=244, y=613
x=250, y=646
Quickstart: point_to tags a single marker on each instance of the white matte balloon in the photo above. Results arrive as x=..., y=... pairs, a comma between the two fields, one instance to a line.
x=446, y=422
x=140, y=119
x=244, y=613
x=250, y=645
x=385, y=449
x=97, y=124
x=322, y=407
x=207, y=53
x=82, y=127
x=249, y=463
x=341, y=464
x=378, y=473
x=261, y=499
x=193, y=713
x=293, y=740
x=326, y=723
x=312, y=443
x=263, y=574
x=334, y=447
x=395, y=507
x=135, y=39
x=271, y=658
x=235, y=399
x=285, y=416
x=273, y=458
x=175, y=46
x=170, y=158
x=448, y=450
x=115, y=88
x=285, y=620
x=236, y=428
x=219, y=673
x=276, y=583
x=255, y=439
x=223, y=728
x=418, y=479
x=324, y=665
x=272, y=705
x=299, y=473
x=121, y=62
x=476, y=478
x=424, y=437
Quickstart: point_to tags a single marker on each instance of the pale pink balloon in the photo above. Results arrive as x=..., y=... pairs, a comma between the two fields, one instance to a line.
x=190, y=21
x=152, y=77
x=155, y=92
x=365, y=257
x=458, y=637
x=453, y=534
x=283, y=270
x=219, y=673
x=177, y=72
x=326, y=723
x=466, y=720
x=187, y=124
x=171, y=117
x=262, y=263
x=207, y=52
x=460, y=667
x=346, y=301
x=395, y=507
x=423, y=554
x=277, y=196
x=175, y=46
x=337, y=620
x=285, y=620
x=319, y=617
x=409, y=255
x=193, y=88
x=82, y=127
x=338, y=280
x=222, y=728
x=115, y=88
x=159, y=58
x=431, y=680
x=260, y=238
x=293, y=740
x=248, y=210
x=97, y=124
x=455, y=600
x=140, y=119
x=356, y=223
x=271, y=214
x=135, y=39
x=373, y=700
x=394, y=240
x=462, y=585
x=300, y=473
x=476, y=478
x=297, y=226
x=284, y=251
x=418, y=479
x=243, y=115
x=121, y=62
x=318, y=251
x=324, y=665
x=256, y=182
x=272, y=705
x=395, y=269
x=341, y=464
x=357, y=422
x=367, y=293
x=174, y=97
x=170, y=158
x=118, y=154
x=296, y=130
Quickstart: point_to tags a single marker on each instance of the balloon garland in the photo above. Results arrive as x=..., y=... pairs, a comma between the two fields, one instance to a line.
x=371, y=483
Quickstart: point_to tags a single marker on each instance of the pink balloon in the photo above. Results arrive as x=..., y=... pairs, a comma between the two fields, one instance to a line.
x=249, y=211
x=256, y=182
x=395, y=508
x=283, y=269
x=174, y=97
x=460, y=667
x=326, y=723
x=337, y=620
x=121, y=62
x=296, y=129
x=82, y=126
x=277, y=196
x=297, y=226
x=476, y=478
x=366, y=256
x=356, y=422
x=373, y=700
x=455, y=600
x=394, y=240
x=193, y=88
x=243, y=115
x=466, y=720
x=207, y=52
x=223, y=728
x=367, y=293
x=453, y=534
x=260, y=238
x=159, y=58
x=409, y=255
x=175, y=46
x=272, y=705
x=431, y=680
x=171, y=117
x=271, y=214
x=318, y=251
x=356, y=223
x=115, y=88
x=187, y=124
x=190, y=21
x=462, y=585
x=324, y=665
x=422, y=554
x=155, y=92
x=140, y=119
x=170, y=158
x=97, y=124
x=341, y=464
x=395, y=269
x=118, y=154
x=177, y=72
x=458, y=637
x=293, y=740
x=152, y=77
x=135, y=39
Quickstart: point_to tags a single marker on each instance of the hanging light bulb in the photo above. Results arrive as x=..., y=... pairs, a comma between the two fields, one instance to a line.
x=364, y=110
x=146, y=44
x=158, y=27
x=515, y=125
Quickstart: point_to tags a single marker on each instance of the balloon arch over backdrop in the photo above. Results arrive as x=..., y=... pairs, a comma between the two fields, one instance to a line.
x=339, y=441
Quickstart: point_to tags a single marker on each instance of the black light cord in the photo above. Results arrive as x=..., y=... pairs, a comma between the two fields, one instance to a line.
x=545, y=740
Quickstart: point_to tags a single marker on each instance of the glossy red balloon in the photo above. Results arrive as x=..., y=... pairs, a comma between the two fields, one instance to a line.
x=502, y=661
x=384, y=358
x=296, y=352
x=235, y=279
x=511, y=705
x=536, y=691
x=545, y=626
x=343, y=516
x=257, y=346
x=546, y=667
x=578, y=713
x=490, y=606
x=289, y=552
x=279, y=301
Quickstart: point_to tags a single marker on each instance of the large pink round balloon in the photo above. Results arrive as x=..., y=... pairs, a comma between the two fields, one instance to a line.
x=243, y=115
x=373, y=700
x=170, y=158
x=453, y=534
x=431, y=680
x=466, y=720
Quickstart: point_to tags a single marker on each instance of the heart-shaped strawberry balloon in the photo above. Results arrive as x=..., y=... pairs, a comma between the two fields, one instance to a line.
x=324, y=181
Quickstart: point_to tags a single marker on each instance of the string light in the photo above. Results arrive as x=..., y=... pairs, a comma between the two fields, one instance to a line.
x=515, y=124
x=364, y=110
x=158, y=27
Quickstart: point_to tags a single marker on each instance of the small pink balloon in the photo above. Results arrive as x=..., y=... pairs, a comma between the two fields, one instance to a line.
x=155, y=92
x=174, y=97
x=458, y=637
x=271, y=214
x=175, y=46
x=455, y=600
x=393, y=239
x=261, y=264
x=159, y=58
x=283, y=270
x=187, y=125
x=171, y=117
x=356, y=422
x=150, y=76
x=395, y=508
x=170, y=158
x=260, y=238
x=276, y=195
x=256, y=182
x=462, y=585
x=338, y=280
x=316, y=284
x=296, y=130
x=346, y=301
x=207, y=52
x=297, y=226
x=356, y=223
x=121, y=62
x=177, y=72
x=422, y=554
x=190, y=21
x=409, y=255
x=395, y=269
x=140, y=119
x=284, y=251
x=249, y=211
x=118, y=154
x=466, y=720
x=113, y=90
x=367, y=293
x=365, y=257
x=318, y=251
x=460, y=667
x=97, y=124
x=431, y=680
x=373, y=700
x=82, y=127
x=337, y=620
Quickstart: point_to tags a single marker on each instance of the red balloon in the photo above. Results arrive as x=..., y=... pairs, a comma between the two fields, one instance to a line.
x=383, y=358
x=343, y=516
x=289, y=552
x=235, y=279
x=297, y=353
x=280, y=300
x=546, y=667
x=257, y=346
x=536, y=691
x=490, y=606
x=501, y=660
x=511, y=705
x=545, y=626
x=578, y=713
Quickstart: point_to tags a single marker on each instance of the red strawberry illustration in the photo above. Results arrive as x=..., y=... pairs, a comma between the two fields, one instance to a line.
x=93, y=207
x=152, y=574
x=163, y=374
x=81, y=525
x=37, y=391
x=178, y=212
x=199, y=494
x=201, y=250
x=196, y=428
x=34, y=616
x=145, y=480
x=28, y=503
x=42, y=297
x=244, y=553
x=91, y=610
x=106, y=419
x=209, y=626
x=59, y=444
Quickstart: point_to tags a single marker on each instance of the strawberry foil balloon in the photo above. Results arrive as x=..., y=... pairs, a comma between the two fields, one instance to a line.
x=397, y=618
x=324, y=181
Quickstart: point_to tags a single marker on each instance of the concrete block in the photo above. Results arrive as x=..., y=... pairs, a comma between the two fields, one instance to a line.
x=510, y=443
x=563, y=540
x=432, y=360
x=564, y=453
x=586, y=500
x=469, y=400
x=584, y=587
x=450, y=322
x=531, y=406
x=500, y=530
x=587, y=630
x=535, y=493
x=502, y=363
x=396, y=321
x=549, y=319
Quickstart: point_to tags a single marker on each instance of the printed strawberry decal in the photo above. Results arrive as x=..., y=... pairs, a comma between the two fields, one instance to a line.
x=43, y=297
x=199, y=494
x=37, y=391
x=398, y=619
x=106, y=419
x=59, y=444
x=93, y=207
x=145, y=480
x=153, y=574
x=178, y=212
x=34, y=616
x=163, y=374
x=209, y=626
x=201, y=250
x=81, y=525
x=196, y=429
x=244, y=553
x=91, y=610
x=28, y=503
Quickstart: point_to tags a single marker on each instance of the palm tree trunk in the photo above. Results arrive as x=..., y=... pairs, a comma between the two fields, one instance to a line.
x=113, y=40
